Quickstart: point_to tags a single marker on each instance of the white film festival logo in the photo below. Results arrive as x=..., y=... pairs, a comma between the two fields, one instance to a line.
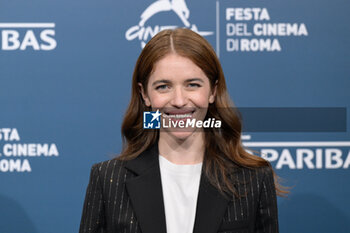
x=17, y=156
x=23, y=36
x=144, y=33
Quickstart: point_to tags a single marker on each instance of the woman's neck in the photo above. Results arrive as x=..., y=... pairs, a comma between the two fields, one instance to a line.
x=182, y=151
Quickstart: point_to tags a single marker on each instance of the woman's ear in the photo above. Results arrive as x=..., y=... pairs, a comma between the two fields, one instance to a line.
x=144, y=95
x=213, y=93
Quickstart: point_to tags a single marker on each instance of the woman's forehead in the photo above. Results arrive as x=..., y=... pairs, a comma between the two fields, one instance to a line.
x=174, y=65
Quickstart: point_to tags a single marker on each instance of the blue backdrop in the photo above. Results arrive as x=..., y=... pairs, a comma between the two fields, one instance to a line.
x=65, y=75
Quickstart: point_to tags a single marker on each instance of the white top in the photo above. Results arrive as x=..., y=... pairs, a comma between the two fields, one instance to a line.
x=180, y=184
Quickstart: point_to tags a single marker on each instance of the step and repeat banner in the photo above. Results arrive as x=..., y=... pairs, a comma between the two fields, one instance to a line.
x=65, y=81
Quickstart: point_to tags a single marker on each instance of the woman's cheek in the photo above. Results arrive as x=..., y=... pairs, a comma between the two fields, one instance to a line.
x=159, y=101
x=201, y=100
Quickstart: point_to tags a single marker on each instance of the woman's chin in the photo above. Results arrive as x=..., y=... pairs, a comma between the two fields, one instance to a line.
x=180, y=134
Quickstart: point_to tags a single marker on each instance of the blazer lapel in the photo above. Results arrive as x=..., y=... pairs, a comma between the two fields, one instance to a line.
x=145, y=191
x=211, y=207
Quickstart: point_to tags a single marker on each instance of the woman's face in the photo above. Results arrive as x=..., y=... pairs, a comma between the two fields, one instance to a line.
x=180, y=90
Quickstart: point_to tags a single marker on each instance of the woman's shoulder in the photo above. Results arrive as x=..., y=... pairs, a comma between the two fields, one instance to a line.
x=258, y=174
x=253, y=180
x=108, y=173
x=108, y=167
x=263, y=170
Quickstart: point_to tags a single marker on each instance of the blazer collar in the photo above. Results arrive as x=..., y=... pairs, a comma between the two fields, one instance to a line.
x=144, y=161
x=145, y=191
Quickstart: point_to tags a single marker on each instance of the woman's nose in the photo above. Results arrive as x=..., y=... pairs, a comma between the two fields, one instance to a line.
x=179, y=98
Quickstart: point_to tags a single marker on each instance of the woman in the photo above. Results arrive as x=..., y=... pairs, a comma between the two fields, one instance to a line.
x=179, y=180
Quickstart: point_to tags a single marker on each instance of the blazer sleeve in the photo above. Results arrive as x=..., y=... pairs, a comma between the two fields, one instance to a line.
x=267, y=216
x=92, y=220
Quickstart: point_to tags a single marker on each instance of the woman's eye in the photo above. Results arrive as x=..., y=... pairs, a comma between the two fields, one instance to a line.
x=194, y=85
x=161, y=87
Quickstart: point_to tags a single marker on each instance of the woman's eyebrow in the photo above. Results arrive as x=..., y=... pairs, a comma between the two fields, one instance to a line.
x=166, y=81
x=195, y=79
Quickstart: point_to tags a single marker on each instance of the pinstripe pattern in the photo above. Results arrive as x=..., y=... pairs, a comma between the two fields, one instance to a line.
x=254, y=214
x=116, y=215
x=108, y=208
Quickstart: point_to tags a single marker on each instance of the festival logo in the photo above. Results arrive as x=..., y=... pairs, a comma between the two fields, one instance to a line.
x=17, y=155
x=144, y=31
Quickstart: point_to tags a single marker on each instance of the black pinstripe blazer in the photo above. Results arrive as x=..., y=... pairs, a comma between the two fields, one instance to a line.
x=126, y=197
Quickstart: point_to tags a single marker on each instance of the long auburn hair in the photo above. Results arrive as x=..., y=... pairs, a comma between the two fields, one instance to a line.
x=223, y=147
